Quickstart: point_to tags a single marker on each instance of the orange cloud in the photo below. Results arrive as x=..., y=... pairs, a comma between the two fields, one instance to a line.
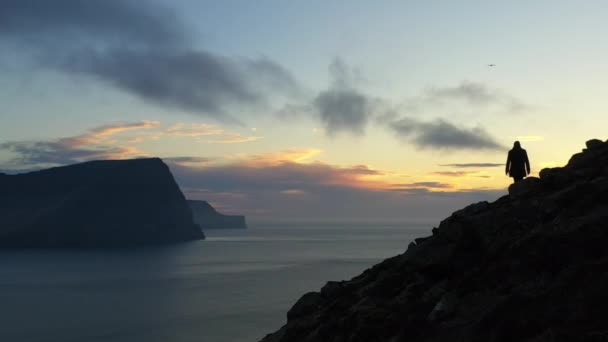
x=275, y=158
x=292, y=192
x=206, y=130
x=98, y=143
x=99, y=134
x=193, y=130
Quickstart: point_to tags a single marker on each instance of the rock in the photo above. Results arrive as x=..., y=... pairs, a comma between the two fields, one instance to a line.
x=530, y=266
x=523, y=187
x=581, y=159
x=595, y=144
x=332, y=288
x=306, y=305
x=472, y=209
x=420, y=240
x=208, y=218
x=444, y=307
x=109, y=203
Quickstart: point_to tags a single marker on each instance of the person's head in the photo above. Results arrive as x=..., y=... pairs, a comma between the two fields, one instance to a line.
x=516, y=145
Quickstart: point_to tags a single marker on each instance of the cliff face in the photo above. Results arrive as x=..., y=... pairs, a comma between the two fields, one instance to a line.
x=95, y=204
x=208, y=218
x=531, y=266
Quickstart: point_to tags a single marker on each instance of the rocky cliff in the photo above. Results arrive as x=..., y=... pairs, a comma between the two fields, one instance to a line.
x=531, y=266
x=95, y=204
x=208, y=218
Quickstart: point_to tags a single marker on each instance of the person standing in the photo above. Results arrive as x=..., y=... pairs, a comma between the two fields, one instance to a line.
x=518, y=165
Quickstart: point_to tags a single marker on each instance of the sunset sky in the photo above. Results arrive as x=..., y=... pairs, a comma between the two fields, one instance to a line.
x=306, y=109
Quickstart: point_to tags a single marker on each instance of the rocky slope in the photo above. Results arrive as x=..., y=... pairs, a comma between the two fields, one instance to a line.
x=95, y=204
x=531, y=266
x=208, y=218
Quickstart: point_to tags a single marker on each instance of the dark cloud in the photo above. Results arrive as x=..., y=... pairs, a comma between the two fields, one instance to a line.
x=420, y=187
x=429, y=185
x=279, y=176
x=72, y=22
x=141, y=48
x=61, y=153
x=69, y=150
x=467, y=165
x=343, y=108
x=288, y=190
x=441, y=134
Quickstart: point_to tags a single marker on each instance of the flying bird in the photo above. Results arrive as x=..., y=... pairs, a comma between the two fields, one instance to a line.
x=491, y=65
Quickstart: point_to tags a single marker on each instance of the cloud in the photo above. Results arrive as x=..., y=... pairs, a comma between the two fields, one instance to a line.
x=96, y=135
x=108, y=142
x=319, y=191
x=343, y=108
x=279, y=178
x=193, y=130
x=467, y=165
x=420, y=186
x=143, y=49
x=95, y=144
x=188, y=160
x=233, y=138
x=441, y=134
x=199, y=131
x=460, y=174
x=294, y=192
x=277, y=158
x=474, y=94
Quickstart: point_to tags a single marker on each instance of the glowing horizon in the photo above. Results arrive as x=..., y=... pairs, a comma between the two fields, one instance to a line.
x=392, y=102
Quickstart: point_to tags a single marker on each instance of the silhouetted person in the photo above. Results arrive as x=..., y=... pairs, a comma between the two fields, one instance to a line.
x=518, y=165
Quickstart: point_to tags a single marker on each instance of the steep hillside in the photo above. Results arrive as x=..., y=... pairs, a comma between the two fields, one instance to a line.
x=531, y=266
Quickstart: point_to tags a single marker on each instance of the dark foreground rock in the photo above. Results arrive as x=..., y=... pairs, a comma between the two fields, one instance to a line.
x=531, y=266
x=95, y=204
x=208, y=218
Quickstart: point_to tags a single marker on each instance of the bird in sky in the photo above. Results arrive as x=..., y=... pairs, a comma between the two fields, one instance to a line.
x=491, y=65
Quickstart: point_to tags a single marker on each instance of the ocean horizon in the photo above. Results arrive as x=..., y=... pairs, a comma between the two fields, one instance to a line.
x=235, y=286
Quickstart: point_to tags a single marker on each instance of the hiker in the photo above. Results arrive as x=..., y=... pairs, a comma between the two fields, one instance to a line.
x=518, y=165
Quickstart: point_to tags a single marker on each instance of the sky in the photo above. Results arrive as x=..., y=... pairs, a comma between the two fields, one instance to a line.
x=305, y=110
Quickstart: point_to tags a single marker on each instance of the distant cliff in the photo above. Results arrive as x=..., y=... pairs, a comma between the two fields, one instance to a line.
x=531, y=266
x=95, y=204
x=208, y=218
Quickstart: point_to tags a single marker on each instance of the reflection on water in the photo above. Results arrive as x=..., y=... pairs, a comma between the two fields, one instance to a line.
x=235, y=286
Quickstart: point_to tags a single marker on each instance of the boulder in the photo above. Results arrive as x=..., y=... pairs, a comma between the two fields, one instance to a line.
x=595, y=144
x=524, y=187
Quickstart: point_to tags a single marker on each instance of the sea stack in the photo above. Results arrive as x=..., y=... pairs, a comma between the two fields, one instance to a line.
x=531, y=266
x=110, y=203
x=208, y=218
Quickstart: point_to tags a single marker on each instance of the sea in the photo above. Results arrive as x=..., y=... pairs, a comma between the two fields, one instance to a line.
x=235, y=286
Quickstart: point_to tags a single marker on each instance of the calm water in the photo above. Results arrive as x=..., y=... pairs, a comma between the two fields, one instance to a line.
x=235, y=286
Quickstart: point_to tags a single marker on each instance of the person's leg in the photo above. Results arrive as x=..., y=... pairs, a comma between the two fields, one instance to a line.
x=517, y=179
